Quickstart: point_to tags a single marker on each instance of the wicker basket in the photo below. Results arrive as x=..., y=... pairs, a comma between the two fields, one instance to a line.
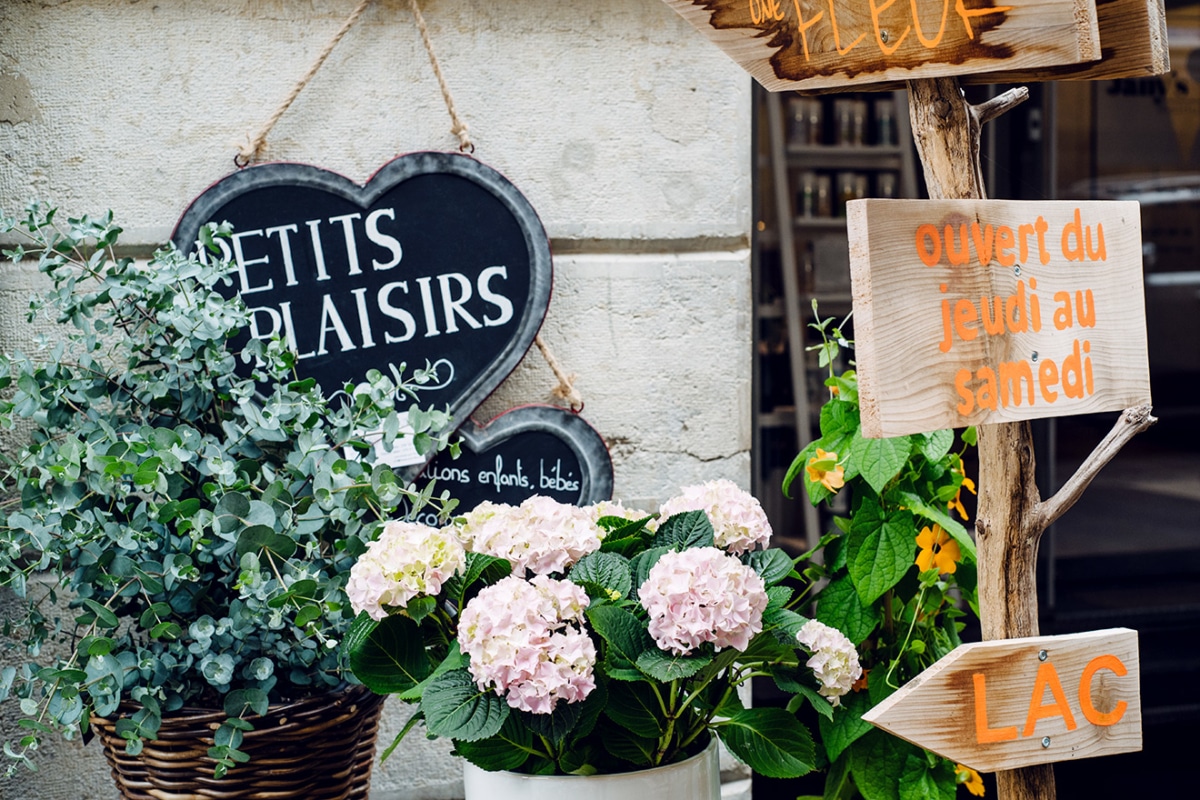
x=319, y=748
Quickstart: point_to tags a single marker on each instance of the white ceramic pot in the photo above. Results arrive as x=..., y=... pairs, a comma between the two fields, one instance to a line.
x=698, y=778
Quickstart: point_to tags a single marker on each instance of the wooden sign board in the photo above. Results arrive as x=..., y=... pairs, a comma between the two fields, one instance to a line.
x=970, y=312
x=1133, y=44
x=1018, y=702
x=820, y=44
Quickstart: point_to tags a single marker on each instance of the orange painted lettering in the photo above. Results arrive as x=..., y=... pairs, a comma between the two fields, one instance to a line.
x=1041, y=226
x=983, y=242
x=837, y=36
x=961, y=379
x=947, y=340
x=1104, y=719
x=1005, y=241
x=984, y=734
x=928, y=43
x=962, y=254
x=804, y=26
x=964, y=315
x=1011, y=375
x=965, y=14
x=879, y=37
x=929, y=245
x=1047, y=678
x=1047, y=380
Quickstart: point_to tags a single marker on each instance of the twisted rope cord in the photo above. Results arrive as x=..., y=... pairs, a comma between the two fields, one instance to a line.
x=253, y=149
x=566, y=387
x=457, y=127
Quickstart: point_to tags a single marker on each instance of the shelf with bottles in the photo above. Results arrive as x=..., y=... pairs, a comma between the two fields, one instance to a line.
x=821, y=195
x=844, y=124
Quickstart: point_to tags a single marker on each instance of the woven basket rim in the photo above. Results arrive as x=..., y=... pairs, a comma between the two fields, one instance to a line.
x=349, y=691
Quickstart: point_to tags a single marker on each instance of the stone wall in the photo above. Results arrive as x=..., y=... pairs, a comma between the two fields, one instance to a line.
x=628, y=132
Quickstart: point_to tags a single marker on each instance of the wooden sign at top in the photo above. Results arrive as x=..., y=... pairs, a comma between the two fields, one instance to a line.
x=969, y=312
x=1018, y=702
x=821, y=44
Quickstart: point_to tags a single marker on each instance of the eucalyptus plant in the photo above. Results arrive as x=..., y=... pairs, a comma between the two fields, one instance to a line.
x=181, y=522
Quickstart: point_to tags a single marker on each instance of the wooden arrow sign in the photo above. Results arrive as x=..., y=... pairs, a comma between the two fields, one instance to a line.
x=1018, y=702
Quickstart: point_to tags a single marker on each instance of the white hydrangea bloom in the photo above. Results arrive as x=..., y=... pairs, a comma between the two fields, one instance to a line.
x=541, y=535
x=739, y=522
x=834, y=660
x=406, y=561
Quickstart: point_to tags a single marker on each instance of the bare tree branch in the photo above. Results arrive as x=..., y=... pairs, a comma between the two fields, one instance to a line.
x=1132, y=422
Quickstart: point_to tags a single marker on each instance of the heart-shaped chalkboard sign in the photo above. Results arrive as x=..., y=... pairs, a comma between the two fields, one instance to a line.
x=525, y=451
x=437, y=259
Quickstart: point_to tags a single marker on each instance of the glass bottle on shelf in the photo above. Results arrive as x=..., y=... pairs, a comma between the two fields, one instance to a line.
x=885, y=122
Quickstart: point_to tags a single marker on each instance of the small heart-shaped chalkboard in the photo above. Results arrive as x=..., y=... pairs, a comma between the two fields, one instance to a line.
x=525, y=451
x=436, y=260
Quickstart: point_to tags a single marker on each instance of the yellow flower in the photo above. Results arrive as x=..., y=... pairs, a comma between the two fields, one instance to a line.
x=824, y=469
x=937, y=549
x=972, y=779
x=956, y=503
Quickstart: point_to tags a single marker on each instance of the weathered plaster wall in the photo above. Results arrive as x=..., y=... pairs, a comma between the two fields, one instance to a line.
x=628, y=133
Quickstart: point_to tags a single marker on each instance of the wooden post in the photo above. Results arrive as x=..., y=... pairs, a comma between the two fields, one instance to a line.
x=1011, y=516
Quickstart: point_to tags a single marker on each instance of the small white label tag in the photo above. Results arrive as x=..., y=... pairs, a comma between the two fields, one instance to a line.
x=403, y=453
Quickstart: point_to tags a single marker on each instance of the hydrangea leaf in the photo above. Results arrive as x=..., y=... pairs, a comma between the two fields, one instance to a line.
x=636, y=708
x=685, y=530
x=607, y=572
x=628, y=746
x=770, y=741
x=664, y=666
x=558, y=724
x=772, y=565
x=626, y=639
x=387, y=656
x=455, y=659
x=641, y=565
x=507, y=750
x=457, y=709
x=482, y=569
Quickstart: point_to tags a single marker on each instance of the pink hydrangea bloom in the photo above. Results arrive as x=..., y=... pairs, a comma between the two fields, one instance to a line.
x=739, y=522
x=525, y=640
x=702, y=595
x=834, y=660
x=406, y=560
x=541, y=535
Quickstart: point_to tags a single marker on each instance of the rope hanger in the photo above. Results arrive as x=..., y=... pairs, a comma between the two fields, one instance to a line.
x=254, y=148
